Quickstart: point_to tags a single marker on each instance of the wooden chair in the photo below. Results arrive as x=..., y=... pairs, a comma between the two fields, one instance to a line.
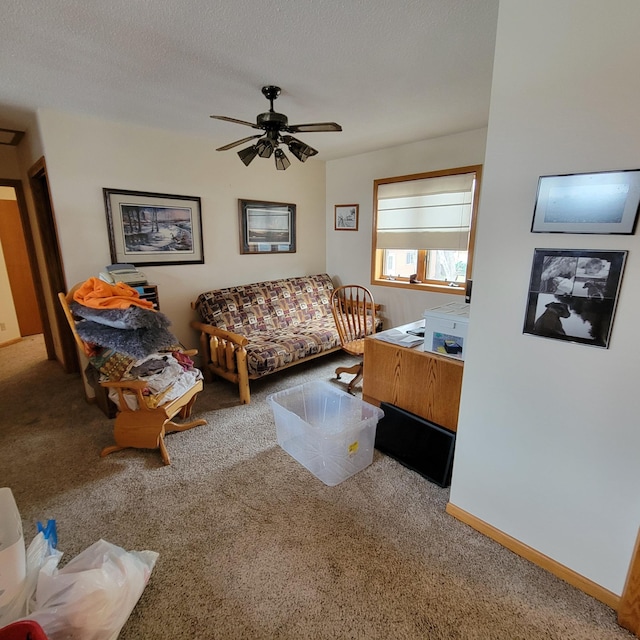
x=354, y=312
x=143, y=427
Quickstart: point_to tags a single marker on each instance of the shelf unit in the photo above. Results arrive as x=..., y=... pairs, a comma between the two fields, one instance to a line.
x=149, y=292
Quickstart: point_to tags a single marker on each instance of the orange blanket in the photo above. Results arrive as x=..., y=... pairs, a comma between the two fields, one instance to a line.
x=101, y=295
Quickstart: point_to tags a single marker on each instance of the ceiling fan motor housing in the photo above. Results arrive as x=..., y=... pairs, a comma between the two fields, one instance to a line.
x=272, y=120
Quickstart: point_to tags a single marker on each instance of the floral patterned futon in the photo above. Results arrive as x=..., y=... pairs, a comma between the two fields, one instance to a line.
x=285, y=320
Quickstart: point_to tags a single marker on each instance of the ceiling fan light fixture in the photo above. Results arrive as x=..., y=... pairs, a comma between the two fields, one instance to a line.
x=282, y=162
x=264, y=148
x=301, y=151
x=248, y=154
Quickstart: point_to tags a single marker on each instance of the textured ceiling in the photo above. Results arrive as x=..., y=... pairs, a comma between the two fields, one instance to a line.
x=389, y=71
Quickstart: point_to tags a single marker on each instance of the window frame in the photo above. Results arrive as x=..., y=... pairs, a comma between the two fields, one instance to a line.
x=377, y=255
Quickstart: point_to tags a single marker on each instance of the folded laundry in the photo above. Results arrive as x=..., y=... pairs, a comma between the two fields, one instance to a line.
x=148, y=366
x=165, y=379
x=103, y=295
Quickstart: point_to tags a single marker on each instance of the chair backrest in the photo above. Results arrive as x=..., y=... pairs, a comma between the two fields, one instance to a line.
x=65, y=301
x=354, y=312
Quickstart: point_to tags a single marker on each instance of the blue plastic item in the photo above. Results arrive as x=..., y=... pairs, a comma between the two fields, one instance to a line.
x=50, y=532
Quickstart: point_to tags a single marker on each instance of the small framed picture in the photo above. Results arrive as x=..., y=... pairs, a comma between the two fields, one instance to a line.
x=573, y=294
x=346, y=217
x=267, y=227
x=605, y=202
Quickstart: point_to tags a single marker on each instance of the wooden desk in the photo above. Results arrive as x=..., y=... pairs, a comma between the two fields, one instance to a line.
x=423, y=383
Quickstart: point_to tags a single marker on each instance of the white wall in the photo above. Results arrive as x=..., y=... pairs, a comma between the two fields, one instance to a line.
x=84, y=155
x=548, y=435
x=350, y=181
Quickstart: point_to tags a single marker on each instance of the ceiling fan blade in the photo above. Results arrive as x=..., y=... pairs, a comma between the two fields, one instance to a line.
x=236, y=121
x=237, y=142
x=313, y=126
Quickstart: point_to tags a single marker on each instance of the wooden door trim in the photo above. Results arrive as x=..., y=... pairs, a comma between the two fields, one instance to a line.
x=629, y=609
x=46, y=221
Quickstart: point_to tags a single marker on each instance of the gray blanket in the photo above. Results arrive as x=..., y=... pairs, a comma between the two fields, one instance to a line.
x=134, y=331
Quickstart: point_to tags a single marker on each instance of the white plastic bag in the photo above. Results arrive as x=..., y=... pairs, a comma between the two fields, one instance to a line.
x=39, y=554
x=93, y=595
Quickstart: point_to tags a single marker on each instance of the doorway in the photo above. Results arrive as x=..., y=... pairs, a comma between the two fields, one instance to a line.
x=17, y=260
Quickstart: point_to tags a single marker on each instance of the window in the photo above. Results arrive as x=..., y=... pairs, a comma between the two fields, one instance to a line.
x=424, y=229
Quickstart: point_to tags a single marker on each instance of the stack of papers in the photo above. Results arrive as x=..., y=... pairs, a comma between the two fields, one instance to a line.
x=395, y=336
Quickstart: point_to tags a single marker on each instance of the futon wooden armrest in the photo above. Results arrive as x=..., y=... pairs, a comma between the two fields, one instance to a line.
x=224, y=354
x=236, y=338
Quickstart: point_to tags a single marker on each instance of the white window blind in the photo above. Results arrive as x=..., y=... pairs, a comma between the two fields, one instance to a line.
x=432, y=213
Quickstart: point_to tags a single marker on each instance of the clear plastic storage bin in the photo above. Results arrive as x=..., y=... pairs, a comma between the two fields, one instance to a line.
x=327, y=430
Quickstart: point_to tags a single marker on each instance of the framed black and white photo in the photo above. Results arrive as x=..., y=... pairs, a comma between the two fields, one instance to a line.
x=153, y=228
x=573, y=294
x=346, y=217
x=605, y=202
x=267, y=227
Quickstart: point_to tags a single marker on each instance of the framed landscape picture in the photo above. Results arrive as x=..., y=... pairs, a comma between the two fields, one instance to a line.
x=605, y=202
x=153, y=228
x=267, y=227
x=573, y=294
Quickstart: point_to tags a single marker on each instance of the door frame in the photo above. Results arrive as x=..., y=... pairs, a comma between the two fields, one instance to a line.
x=51, y=273
x=629, y=608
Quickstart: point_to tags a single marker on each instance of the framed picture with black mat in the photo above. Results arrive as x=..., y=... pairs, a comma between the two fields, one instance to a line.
x=604, y=202
x=573, y=294
x=267, y=227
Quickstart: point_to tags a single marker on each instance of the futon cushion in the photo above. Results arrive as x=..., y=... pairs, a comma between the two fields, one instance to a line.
x=267, y=305
x=274, y=349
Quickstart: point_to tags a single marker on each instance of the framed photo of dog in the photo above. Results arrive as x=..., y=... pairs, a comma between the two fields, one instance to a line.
x=573, y=294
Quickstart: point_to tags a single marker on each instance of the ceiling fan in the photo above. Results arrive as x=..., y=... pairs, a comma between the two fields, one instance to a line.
x=275, y=125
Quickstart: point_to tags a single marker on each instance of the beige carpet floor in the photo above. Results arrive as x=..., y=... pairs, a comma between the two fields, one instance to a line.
x=252, y=546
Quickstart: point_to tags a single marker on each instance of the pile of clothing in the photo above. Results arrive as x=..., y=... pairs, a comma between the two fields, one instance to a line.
x=126, y=339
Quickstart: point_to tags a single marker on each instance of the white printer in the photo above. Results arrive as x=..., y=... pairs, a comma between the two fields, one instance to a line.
x=445, y=329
